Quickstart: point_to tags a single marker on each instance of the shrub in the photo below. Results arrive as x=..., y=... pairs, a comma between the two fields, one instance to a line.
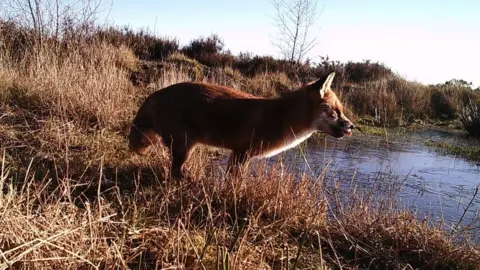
x=145, y=45
x=366, y=71
x=442, y=105
x=209, y=51
x=470, y=117
x=16, y=42
x=209, y=45
x=448, y=99
x=410, y=98
x=252, y=66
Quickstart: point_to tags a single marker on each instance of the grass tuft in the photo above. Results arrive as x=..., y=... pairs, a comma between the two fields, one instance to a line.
x=471, y=152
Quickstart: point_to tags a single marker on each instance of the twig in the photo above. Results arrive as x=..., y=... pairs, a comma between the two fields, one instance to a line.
x=466, y=208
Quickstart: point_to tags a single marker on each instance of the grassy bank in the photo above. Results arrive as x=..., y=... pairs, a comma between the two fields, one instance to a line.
x=73, y=197
x=470, y=152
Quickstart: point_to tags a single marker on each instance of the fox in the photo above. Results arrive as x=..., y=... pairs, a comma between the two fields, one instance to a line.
x=187, y=114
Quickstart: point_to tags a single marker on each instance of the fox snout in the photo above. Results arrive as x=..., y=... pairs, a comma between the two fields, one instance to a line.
x=348, y=129
x=343, y=127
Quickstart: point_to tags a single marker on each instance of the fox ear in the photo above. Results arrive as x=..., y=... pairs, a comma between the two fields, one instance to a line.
x=325, y=84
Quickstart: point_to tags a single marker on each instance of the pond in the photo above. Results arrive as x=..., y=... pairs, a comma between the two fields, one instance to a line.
x=440, y=187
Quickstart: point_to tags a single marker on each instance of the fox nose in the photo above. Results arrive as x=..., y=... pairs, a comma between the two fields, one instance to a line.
x=352, y=126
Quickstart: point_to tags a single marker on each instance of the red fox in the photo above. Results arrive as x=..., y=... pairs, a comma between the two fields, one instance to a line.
x=190, y=113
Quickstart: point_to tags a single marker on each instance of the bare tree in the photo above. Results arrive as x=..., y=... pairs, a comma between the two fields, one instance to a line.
x=46, y=17
x=295, y=21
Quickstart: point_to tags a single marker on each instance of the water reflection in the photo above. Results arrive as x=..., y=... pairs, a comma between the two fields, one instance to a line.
x=433, y=185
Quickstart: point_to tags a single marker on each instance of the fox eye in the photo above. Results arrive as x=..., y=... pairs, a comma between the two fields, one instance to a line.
x=332, y=113
x=335, y=112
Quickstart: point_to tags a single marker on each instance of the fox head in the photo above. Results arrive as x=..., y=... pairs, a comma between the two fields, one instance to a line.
x=326, y=109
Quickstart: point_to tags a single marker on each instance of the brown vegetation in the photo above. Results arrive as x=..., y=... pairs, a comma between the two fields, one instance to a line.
x=73, y=197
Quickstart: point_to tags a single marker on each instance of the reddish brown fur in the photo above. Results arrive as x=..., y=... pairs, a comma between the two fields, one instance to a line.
x=188, y=113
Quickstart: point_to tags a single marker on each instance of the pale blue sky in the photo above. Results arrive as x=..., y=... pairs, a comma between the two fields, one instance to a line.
x=425, y=40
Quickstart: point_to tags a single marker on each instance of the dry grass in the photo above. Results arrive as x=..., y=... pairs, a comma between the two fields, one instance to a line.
x=263, y=220
x=269, y=84
x=73, y=197
x=392, y=100
x=85, y=87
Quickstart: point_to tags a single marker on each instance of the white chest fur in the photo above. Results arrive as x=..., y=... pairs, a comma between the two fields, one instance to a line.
x=292, y=142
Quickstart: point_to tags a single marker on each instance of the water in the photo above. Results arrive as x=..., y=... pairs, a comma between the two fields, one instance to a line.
x=440, y=187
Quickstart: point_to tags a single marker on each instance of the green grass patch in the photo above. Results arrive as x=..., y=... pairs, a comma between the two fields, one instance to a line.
x=372, y=130
x=471, y=152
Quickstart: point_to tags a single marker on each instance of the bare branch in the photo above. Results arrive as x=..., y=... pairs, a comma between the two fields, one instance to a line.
x=33, y=16
x=51, y=17
x=294, y=21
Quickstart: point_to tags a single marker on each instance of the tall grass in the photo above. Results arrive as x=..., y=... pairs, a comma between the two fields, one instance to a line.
x=271, y=219
x=73, y=197
x=89, y=85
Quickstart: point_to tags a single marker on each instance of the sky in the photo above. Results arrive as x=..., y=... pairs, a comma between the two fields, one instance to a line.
x=427, y=41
